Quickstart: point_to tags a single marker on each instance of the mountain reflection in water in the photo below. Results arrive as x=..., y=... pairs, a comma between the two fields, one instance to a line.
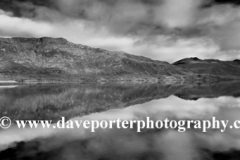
x=109, y=102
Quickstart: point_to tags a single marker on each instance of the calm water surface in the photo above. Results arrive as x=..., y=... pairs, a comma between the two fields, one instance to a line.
x=110, y=102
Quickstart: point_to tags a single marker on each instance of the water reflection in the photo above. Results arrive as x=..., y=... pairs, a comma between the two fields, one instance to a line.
x=126, y=102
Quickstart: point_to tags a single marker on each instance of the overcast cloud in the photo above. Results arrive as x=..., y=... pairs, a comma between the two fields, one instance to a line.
x=166, y=30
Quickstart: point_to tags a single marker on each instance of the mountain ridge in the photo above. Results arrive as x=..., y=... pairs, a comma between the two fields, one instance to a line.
x=49, y=60
x=41, y=58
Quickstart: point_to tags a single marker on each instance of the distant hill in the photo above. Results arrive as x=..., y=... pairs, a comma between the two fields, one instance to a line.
x=210, y=67
x=57, y=59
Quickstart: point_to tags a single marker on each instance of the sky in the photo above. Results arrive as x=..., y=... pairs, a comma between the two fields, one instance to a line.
x=166, y=30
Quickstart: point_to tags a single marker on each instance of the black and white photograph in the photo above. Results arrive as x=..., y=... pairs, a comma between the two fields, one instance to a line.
x=119, y=79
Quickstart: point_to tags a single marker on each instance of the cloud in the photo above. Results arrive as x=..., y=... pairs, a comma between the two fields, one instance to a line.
x=222, y=23
x=2, y=12
x=14, y=26
x=177, y=14
x=85, y=32
x=164, y=47
x=172, y=48
x=164, y=30
x=128, y=16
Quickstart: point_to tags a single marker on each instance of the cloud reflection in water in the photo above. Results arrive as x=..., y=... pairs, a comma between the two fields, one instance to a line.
x=127, y=143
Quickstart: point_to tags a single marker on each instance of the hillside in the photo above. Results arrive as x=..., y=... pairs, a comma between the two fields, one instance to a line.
x=210, y=67
x=45, y=59
x=57, y=60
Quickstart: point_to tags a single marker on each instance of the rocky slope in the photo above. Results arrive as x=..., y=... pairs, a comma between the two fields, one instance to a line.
x=57, y=60
x=46, y=59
